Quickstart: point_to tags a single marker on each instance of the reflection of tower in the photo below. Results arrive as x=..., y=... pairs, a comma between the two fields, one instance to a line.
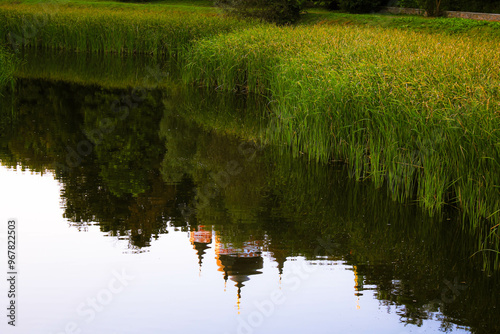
x=238, y=263
x=358, y=285
x=278, y=250
x=280, y=258
x=200, y=239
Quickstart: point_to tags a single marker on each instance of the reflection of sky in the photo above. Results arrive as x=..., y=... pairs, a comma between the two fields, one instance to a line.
x=60, y=268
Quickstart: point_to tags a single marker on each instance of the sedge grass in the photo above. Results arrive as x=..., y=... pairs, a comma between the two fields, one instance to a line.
x=416, y=112
x=109, y=29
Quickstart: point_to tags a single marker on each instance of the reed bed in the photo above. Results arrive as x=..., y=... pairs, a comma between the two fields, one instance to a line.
x=418, y=113
x=108, y=29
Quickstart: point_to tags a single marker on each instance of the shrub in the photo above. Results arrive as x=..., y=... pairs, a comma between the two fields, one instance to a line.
x=359, y=6
x=277, y=11
x=433, y=7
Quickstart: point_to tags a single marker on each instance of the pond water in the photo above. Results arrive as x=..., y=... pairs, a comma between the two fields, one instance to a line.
x=147, y=207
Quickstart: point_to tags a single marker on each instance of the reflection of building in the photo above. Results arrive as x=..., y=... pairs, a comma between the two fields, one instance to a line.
x=239, y=262
x=200, y=239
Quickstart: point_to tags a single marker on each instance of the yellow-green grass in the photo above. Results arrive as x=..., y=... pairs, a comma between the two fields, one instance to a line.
x=419, y=113
x=120, y=29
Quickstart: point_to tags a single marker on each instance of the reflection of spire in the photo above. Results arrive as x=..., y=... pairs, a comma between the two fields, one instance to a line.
x=200, y=250
x=280, y=258
x=239, y=284
x=279, y=255
x=238, y=263
x=200, y=240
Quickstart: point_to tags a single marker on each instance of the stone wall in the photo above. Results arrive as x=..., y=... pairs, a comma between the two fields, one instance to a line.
x=406, y=11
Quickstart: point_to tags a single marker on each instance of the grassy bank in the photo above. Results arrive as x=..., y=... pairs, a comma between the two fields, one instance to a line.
x=110, y=27
x=417, y=112
x=7, y=66
x=439, y=25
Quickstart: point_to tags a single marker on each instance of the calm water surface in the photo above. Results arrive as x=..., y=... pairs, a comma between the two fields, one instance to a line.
x=147, y=208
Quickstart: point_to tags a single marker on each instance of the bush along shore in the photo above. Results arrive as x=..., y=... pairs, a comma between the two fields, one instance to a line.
x=415, y=112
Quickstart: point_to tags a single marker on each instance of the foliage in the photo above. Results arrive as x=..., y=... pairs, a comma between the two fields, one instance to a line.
x=483, y=6
x=408, y=3
x=359, y=6
x=277, y=11
x=433, y=7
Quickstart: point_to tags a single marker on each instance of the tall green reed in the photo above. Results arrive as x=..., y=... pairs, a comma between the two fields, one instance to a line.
x=104, y=29
x=415, y=112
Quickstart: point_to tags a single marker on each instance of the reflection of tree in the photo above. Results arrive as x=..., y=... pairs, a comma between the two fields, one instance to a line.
x=52, y=124
x=149, y=213
x=126, y=134
x=34, y=137
x=298, y=208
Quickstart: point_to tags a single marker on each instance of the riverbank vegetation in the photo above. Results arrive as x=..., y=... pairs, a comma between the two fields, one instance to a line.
x=106, y=28
x=419, y=112
x=409, y=103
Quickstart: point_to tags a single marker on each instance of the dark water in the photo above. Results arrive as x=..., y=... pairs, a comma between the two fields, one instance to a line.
x=145, y=207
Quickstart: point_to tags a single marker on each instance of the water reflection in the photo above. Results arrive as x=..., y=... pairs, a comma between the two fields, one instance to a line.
x=238, y=263
x=201, y=240
x=159, y=167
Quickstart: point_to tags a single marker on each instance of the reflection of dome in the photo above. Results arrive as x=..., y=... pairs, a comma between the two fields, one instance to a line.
x=239, y=263
x=200, y=240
